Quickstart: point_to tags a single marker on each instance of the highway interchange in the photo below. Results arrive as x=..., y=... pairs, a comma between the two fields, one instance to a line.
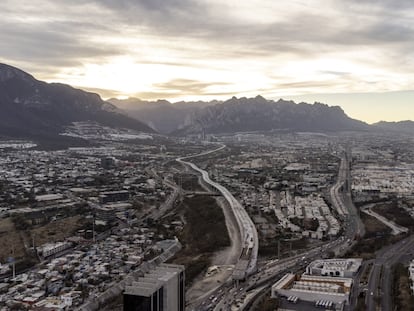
x=241, y=296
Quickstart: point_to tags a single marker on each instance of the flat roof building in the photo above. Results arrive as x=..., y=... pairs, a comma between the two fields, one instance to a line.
x=313, y=288
x=347, y=268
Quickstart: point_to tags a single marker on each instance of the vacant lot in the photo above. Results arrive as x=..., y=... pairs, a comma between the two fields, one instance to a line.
x=21, y=239
x=204, y=233
x=374, y=227
x=57, y=230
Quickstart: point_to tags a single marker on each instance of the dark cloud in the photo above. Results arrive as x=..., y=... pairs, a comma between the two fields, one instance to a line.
x=390, y=32
x=166, y=7
x=303, y=84
x=54, y=44
x=104, y=93
x=173, y=95
x=68, y=34
x=386, y=4
x=303, y=33
x=183, y=86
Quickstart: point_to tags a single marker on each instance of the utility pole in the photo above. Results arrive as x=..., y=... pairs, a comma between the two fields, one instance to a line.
x=14, y=263
x=278, y=249
x=93, y=229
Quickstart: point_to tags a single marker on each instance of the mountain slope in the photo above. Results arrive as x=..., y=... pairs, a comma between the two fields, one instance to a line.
x=32, y=108
x=259, y=114
x=401, y=126
x=161, y=115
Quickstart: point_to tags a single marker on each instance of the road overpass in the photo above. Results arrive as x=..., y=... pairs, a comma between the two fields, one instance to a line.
x=247, y=262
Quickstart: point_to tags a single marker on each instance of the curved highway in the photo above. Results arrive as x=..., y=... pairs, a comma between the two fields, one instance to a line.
x=247, y=262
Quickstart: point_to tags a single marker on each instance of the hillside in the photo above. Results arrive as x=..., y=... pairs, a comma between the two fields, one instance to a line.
x=31, y=108
x=260, y=114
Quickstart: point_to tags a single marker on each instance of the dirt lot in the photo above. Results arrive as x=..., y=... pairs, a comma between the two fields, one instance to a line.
x=52, y=232
x=57, y=230
x=374, y=227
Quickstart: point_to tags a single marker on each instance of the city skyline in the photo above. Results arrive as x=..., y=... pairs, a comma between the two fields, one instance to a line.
x=355, y=54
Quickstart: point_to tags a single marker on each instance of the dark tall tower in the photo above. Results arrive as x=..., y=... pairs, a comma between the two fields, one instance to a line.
x=160, y=289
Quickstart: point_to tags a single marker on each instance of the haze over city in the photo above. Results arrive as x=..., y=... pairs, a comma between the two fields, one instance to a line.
x=356, y=54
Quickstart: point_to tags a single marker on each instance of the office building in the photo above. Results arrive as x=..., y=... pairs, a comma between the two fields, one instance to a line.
x=160, y=289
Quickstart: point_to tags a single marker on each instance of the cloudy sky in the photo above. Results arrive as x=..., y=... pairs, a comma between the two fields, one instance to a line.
x=354, y=53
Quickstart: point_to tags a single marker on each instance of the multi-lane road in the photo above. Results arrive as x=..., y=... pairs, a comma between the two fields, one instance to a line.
x=342, y=200
x=380, y=278
x=241, y=296
x=247, y=262
x=378, y=291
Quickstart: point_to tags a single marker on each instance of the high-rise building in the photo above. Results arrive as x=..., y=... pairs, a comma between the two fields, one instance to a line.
x=162, y=288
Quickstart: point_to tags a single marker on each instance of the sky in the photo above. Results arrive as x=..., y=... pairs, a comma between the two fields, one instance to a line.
x=357, y=54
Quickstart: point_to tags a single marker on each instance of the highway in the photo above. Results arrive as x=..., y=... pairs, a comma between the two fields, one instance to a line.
x=240, y=297
x=268, y=274
x=342, y=199
x=247, y=262
x=243, y=296
x=339, y=185
x=157, y=213
x=380, y=278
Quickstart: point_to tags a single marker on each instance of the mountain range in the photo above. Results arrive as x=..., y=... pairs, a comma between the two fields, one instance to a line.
x=30, y=108
x=239, y=115
x=33, y=108
x=399, y=127
x=161, y=115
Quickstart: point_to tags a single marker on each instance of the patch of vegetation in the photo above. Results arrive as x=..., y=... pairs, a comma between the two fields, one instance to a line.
x=269, y=247
x=394, y=212
x=20, y=222
x=204, y=233
x=402, y=297
x=311, y=224
x=361, y=306
x=188, y=182
x=267, y=304
x=377, y=235
x=365, y=274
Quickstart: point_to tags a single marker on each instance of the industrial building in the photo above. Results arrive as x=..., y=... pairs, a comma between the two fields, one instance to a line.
x=325, y=283
x=160, y=289
x=411, y=271
x=313, y=288
x=50, y=249
x=346, y=268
